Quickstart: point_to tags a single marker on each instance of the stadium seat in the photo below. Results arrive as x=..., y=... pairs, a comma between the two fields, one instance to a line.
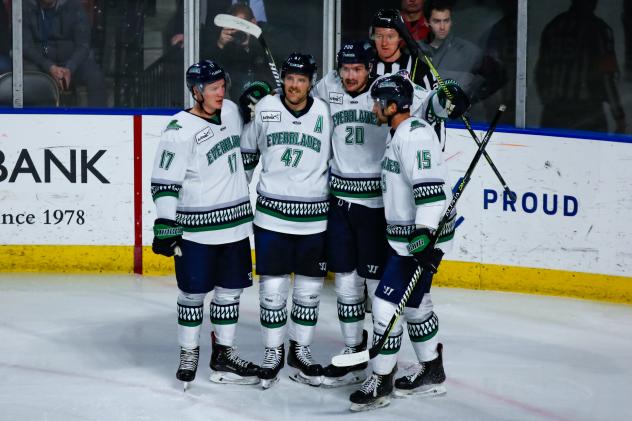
x=40, y=90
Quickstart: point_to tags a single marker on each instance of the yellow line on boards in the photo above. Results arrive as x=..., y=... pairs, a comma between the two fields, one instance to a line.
x=534, y=281
x=120, y=259
x=69, y=259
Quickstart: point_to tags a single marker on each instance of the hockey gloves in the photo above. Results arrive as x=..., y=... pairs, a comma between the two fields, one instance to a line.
x=167, y=236
x=441, y=107
x=249, y=98
x=419, y=246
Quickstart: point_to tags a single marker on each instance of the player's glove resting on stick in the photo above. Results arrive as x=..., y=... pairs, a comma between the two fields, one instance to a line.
x=442, y=107
x=249, y=98
x=419, y=245
x=167, y=237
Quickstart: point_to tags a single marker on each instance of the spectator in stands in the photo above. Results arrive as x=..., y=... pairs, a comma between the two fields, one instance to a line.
x=577, y=71
x=56, y=40
x=412, y=13
x=5, y=40
x=174, y=34
x=456, y=58
x=239, y=52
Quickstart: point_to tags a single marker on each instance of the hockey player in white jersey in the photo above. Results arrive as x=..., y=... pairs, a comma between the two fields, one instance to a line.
x=290, y=136
x=356, y=240
x=415, y=197
x=204, y=217
x=356, y=243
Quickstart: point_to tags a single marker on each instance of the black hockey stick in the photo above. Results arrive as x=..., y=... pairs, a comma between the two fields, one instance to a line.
x=468, y=125
x=346, y=360
x=415, y=49
x=233, y=22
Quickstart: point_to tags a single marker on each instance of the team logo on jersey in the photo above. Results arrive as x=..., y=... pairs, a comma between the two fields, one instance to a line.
x=416, y=124
x=318, y=128
x=173, y=125
x=270, y=116
x=335, y=97
x=204, y=135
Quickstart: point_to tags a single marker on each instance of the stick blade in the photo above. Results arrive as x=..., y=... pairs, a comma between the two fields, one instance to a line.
x=233, y=22
x=348, y=360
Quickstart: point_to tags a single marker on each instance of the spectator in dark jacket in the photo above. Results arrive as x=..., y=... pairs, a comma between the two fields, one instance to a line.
x=457, y=58
x=56, y=40
x=577, y=71
x=240, y=53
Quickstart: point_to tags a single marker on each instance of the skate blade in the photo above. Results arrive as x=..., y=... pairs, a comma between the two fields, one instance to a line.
x=225, y=377
x=430, y=390
x=185, y=386
x=378, y=403
x=299, y=377
x=353, y=377
x=268, y=383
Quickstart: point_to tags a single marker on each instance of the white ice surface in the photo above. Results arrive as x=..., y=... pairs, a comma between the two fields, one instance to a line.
x=100, y=347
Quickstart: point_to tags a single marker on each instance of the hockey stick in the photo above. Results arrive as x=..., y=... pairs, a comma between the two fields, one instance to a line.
x=233, y=22
x=415, y=49
x=346, y=360
x=468, y=125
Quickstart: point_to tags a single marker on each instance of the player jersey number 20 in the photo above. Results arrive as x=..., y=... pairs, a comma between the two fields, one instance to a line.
x=355, y=135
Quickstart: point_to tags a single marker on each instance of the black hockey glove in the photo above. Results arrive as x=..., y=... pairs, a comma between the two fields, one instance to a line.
x=441, y=107
x=167, y=236
x=249, y=98
x=419, y=246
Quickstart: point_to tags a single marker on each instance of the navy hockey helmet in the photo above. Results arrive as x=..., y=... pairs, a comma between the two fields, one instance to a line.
x=204, y=72
x=354, y=52
x=302, y=64
x=393, y=88
x=386, y=18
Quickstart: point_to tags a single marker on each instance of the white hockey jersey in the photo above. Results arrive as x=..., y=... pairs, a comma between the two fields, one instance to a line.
x=199, y=180
x=358, y=142
x=414, y=184
x=294, y=150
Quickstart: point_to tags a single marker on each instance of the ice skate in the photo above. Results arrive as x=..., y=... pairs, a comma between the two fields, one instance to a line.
x=334, y=376
x=228, y=367
x=307, y=371
x=427, y=379
x=188, y=365
x=374, y=393
x=273, y=362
